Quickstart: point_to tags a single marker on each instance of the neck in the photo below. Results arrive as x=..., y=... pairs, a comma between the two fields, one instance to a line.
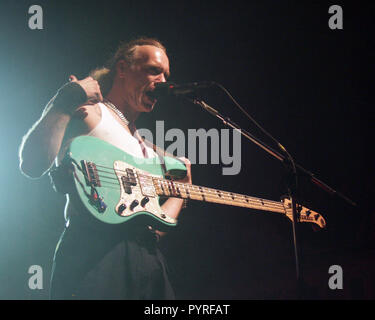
x=188, y=191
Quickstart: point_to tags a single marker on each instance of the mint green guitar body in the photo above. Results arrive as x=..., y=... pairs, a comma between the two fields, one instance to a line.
x=115, y=187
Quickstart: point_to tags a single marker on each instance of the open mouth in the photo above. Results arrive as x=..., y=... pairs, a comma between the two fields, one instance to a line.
x=150, y=96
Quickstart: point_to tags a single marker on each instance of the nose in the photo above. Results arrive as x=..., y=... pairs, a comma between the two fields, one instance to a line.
x=160, y=78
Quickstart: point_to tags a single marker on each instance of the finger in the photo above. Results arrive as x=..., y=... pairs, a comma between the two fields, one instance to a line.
x=99, y=95
x=72, y=78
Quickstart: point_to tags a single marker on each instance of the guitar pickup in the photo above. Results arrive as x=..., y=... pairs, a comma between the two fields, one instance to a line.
x=131, y=177
x=90, y=173
x=128, y=180
x=126, y=184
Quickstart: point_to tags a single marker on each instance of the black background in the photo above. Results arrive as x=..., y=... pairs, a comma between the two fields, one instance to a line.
x=308, y=85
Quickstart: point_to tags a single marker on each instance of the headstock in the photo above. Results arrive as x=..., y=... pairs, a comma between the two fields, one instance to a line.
x=305, y=214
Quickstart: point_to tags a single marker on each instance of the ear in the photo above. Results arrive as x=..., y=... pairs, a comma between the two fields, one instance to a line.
x=121, y=67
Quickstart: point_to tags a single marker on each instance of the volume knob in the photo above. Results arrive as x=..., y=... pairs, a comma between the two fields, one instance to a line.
x=134, y=204
x=121, y=208
x=144, y=201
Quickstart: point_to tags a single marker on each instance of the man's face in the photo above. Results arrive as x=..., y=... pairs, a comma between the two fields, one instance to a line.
x=151, y=65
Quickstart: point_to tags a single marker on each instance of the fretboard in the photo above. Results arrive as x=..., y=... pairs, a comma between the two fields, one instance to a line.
x=175, y=189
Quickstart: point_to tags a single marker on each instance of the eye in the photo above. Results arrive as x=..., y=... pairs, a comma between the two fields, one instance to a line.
x=154, y=70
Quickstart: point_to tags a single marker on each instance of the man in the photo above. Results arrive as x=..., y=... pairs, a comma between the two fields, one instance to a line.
x=94, y=261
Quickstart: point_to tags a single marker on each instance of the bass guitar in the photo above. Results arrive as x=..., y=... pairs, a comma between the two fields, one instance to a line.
x=116, y=187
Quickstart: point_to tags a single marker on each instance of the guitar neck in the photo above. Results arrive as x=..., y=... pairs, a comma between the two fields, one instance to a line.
x=175, y=189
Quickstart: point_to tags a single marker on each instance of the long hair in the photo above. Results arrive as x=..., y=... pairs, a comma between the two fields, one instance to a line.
x=105, y=75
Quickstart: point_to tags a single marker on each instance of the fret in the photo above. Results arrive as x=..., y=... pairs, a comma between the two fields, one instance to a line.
x=188, y=191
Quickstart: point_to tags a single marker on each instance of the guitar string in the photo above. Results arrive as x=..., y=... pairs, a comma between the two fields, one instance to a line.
x=224, y=195
x=228, y=196
x=210, y=193
x=216, y=194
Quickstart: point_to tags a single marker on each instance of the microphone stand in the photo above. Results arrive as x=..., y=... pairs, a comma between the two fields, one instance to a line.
x=292, y=185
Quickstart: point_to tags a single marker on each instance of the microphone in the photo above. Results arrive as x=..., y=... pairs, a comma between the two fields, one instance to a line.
x=163, y=89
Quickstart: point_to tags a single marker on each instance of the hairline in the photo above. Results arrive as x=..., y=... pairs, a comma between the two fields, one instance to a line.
x=133, y=50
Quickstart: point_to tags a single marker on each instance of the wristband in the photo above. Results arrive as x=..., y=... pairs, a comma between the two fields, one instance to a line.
x=70, y=96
